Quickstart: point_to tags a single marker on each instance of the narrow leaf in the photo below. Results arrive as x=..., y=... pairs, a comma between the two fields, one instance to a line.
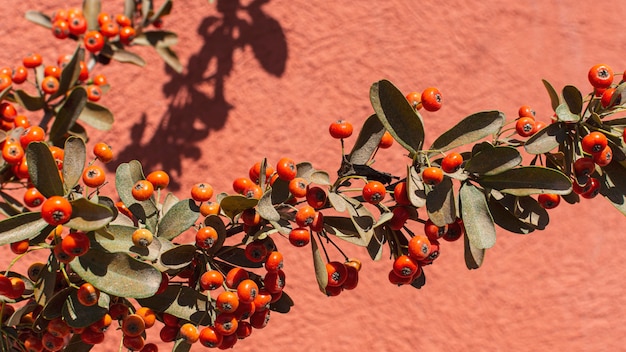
x=43, y=170
x=70, y=73
x=397, y=115
x=266, y=209
x=156, y=38
x=473, y=256
x=493, y=161
x=29, y=102
x=479, y=226
x=183, y=302
x=506, y=220
x=170, y=58
x=67, y=115
x=39, y=18
x=77, y=315
x=21, y=227
x=554, y=96
x=614, y=185
x=164, y=10
x=526, y=209
x=73, y=162
x=321, y=274
x=126, y=56
x=469, y=130
x=91, y=9
x=440, y=203
x=574, y=99
x=546, y=139
x=528, y=180
x=367, y=142
x=176, y=257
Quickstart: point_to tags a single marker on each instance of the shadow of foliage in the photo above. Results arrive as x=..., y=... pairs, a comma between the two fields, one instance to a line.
x=197, y=101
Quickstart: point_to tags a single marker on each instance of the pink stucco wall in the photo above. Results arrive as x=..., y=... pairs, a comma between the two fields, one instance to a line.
x=299, y=64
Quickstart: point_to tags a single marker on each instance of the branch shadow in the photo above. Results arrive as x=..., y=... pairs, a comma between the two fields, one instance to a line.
x=197, y=102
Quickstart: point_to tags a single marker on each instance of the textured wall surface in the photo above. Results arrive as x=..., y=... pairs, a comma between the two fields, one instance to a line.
x=267, y=78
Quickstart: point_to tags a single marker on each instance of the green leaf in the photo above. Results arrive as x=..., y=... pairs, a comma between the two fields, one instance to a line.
x=170, y=58
x=564, y=114
x=129, y=8
x=237, y=256
x=473, y=256
x=183, y=302
x=21, y=227
x=88, y=216
x=440, y=203
x=527, y=180
x=492, y=161
x=321, y=274
x=39, y=18
x=266, y=209
x=146, y=10
x=97, y=116
x=77, y=315
x=320, y=177
x=70, y=73
x=397, y=115
x=117, y=274
x=54, y=307
x=506, y=220
x=178, y=219
x=67, y=115
x=164, y=10
x=118, y=238
x=46, y=284
x=169, y=202
x=526, y=209
x=613, y=182
x=181, y=345
x=479, y=226
x=29, y=102
x=344, y=228
x=554, y=97
x=280, y=191
x=43, y=170
x=91, y=9
x=176, y=256
x=415, y=187
x=156, y=38
x=73, y=162
x=375, y=246
x=76, y=344
x=126, y=56
x=216, y=222
x=574, y=99
x=546, y=139
x=235, y=204
x=367, y=142
x=469, y=130
x=12, y=206
x=126, y=175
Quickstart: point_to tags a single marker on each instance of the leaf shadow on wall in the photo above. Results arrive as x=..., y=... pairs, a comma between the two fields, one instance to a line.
x=198, y=103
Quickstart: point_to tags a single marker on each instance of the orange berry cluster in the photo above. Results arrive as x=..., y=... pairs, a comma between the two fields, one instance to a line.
x=72, y=22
